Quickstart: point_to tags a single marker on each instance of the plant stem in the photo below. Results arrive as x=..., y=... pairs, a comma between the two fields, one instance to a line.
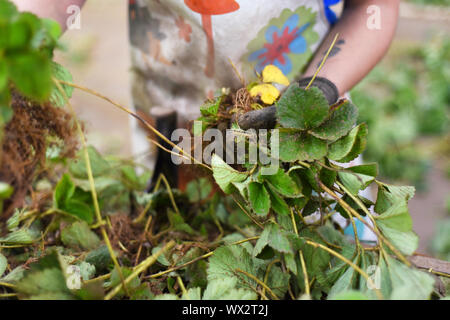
x=139, y=269
x=323, y=61
x=353, y=212
x=305, y=273
x=133, y=114
x=92, y=184
x=262, y=284
x=350, y=263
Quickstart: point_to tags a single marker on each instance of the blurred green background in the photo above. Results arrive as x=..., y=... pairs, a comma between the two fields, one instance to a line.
x=405, y=101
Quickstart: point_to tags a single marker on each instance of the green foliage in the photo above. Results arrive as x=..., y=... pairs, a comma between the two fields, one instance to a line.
x=79, y=235
x=26, y=52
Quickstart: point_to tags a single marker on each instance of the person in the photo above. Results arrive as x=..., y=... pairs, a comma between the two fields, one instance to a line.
x=181, y=49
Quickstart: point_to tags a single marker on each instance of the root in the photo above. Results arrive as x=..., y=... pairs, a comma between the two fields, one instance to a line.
x=33, y=129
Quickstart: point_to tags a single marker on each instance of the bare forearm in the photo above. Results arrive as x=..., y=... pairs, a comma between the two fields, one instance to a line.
x=360, y=46
x=54, y=9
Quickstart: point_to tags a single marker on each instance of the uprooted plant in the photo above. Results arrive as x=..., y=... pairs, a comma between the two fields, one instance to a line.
x=260, y=242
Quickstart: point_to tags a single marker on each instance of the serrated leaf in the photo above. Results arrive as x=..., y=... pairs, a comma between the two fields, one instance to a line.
x=339, y=123
x=225, y=289
x=350, y=146
x=79, y=235
x=273, y=237
x=277, y=202
x=282, y=183
x=100, y=257
x=21, y=236
x=388, y=195
x=360, y=177
x=259, y=198
x=45, y=280
x=31, y=73
x=298, y=146
x=396, y=225
x=60, y=73
x=227, y=259
x=345, y=282
x=99, y=165
x=302, y=109
x=408, y=283
x=278, y=281
x=225, y=175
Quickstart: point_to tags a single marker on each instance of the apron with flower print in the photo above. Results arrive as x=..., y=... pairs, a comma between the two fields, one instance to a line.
x=181, y=49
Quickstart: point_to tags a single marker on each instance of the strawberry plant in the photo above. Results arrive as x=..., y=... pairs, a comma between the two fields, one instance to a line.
x=89, y=229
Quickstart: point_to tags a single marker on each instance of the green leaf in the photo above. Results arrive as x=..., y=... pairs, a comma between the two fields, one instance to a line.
x=388, y=195
x=295, y=145
x=225, y=289
x=277, y=202
x=72, y=200
x=79, y=235
x=282, y=183
x=31, y=73
x=64, y=190
x=20, y=236
x=278, y=281
x=227, y=259
x=339, y=123
x=210, y=108
x=396, y=225
x=225, y=175
x=408, y=283
x=8, y=11
x=60, y=73
x=302, y=109
x=45, y=280
x=87, y=270
x=349, y=147
x=99, y=165
x=360, y=177
x=198, y=189
x=3, y=264
x=177, y=222
x=259, y=198
x=79, y=209
x=349, y=295
x=99, y=257
x=346, y=282
x=273, y=237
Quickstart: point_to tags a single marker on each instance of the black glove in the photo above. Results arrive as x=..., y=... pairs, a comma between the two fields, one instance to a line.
x=266, y=118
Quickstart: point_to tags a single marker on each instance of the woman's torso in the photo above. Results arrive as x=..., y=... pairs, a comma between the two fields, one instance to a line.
x=181, y=49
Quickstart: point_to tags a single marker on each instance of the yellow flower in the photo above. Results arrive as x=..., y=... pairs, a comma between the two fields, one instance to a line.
x=269, y=94
x=272, y=74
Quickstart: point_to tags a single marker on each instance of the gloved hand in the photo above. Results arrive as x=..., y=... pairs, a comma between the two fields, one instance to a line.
x=266, y=118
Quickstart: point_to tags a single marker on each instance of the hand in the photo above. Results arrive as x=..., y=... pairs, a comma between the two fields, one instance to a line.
x=266, y=118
